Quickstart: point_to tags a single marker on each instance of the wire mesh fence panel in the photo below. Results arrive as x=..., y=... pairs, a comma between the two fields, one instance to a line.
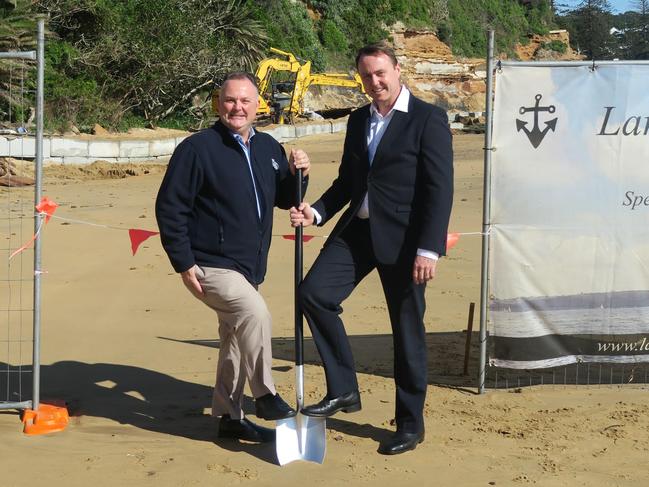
x=596, y=374
x=17, y=195
x=446, y=352
x=578, y=374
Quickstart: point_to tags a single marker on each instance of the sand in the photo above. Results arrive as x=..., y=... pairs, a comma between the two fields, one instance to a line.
x=133, y=354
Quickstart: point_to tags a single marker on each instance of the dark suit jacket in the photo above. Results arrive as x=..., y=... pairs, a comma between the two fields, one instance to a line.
x=409, y=185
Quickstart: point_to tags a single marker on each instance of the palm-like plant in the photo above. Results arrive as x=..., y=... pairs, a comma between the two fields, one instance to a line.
x=153, y=57
x=17, y=33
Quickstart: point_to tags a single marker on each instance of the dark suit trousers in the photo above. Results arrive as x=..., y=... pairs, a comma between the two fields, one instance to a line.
x=341, y=265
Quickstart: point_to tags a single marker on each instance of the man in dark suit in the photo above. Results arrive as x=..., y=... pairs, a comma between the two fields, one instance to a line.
x=396, y=174
x=215, y=213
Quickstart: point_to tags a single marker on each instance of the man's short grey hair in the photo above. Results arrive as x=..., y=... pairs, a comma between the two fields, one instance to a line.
x=240, y=75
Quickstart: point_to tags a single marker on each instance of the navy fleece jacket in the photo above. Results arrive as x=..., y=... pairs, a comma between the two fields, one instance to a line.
x=206, y=209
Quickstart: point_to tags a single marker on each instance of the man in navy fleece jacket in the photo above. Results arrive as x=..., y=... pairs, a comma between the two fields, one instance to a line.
x=215, y=214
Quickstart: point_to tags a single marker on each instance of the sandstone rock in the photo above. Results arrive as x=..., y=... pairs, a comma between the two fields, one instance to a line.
x=6, y=167
x=432, y=73
x=476, y=102
x=9, y=174
x=99, y=130
x=421, y=44
x=72, y=130
x=322, y=98
x=535, y=51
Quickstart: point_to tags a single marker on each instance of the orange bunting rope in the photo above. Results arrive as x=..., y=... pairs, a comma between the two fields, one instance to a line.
x=451, y=238
x=47, y=207
x=29, y=243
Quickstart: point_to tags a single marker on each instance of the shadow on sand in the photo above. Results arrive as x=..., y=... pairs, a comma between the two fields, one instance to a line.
x=162, y=403
x=374, y=355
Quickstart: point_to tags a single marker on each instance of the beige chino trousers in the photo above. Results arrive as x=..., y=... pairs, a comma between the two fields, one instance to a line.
x=245, y=328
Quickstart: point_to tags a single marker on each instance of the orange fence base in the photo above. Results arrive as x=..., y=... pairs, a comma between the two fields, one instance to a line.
x=49, y=418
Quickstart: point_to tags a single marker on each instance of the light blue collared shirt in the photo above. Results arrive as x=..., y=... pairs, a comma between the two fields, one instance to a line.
x=247, y=150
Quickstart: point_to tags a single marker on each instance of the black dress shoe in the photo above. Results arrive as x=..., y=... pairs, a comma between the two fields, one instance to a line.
x=347, y=403
x=243, y=429
x=272, y=407
x=401, y=442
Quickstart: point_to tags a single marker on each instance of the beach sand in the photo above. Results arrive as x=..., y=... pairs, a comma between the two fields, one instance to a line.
x=133, y=355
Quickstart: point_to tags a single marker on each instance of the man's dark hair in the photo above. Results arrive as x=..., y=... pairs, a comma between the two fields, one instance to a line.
x=241, y=75
x=375, y=49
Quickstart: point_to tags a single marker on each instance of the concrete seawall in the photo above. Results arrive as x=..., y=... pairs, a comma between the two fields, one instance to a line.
x=83, y=150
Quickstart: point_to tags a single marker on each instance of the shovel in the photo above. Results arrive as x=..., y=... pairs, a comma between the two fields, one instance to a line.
x=300, y=437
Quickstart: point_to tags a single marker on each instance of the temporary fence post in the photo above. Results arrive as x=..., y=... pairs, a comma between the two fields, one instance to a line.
x=38, y=218
x=486, y=217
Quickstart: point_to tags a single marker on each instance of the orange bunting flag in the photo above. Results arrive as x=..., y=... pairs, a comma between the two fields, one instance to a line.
x=26, y=245
x=138, y=236
x=451, y=240
x=48, y=207
x=305, y=238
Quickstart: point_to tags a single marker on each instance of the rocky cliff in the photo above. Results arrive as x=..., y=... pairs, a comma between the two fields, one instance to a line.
x=433, y=73
x=537, y=49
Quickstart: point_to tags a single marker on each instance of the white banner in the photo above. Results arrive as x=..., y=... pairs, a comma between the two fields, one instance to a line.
x=569, y=234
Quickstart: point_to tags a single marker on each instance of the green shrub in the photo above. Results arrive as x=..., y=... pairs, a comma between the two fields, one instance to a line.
x=332, y=38
x=556, y=46
x=289, y=28
x=511, y=21
x=73, y=98
x=145, y=57
x=127, y=62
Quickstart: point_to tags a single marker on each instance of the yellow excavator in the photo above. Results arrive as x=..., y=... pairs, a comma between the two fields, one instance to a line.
x=284, y=101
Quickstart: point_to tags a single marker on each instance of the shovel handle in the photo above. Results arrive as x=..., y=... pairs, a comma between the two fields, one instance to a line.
x=299, y=320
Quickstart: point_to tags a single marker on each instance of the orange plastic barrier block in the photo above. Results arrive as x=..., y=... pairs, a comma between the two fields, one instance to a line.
x=49, y=418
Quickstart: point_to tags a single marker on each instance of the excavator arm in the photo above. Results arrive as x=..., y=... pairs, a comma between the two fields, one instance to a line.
x=265, y=70
x=263, y=74
x=303, y=80
x=328, y=79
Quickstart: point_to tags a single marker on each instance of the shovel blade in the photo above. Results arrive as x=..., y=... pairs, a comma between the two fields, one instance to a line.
x=301, y=438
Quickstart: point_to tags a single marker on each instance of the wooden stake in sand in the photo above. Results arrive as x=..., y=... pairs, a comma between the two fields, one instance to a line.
x=469, y=331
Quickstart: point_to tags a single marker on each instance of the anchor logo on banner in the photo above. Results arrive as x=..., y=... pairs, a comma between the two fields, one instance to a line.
x=536, y=135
